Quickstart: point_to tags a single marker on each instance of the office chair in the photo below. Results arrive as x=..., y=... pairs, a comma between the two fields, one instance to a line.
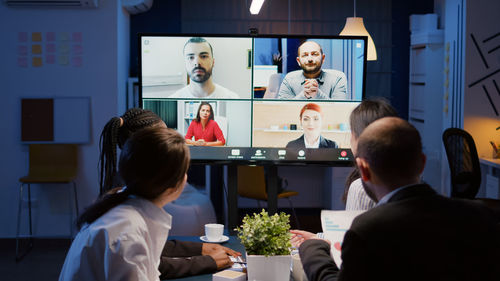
x=464, y=163
x=252, y=184
x=48, y=163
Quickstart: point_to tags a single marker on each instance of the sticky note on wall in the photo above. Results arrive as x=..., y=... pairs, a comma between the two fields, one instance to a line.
x=51, y=36
x=50, y=59
x=36, y=49
x=63, y=36
x=22, y=61
x=64, y=49
x=36, y=36
x=50, y=48
x=22, y=50
x=77, y=37
x=63, y=60
x=37, y=61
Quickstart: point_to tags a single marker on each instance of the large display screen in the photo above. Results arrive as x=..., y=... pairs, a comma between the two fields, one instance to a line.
x=255, y=98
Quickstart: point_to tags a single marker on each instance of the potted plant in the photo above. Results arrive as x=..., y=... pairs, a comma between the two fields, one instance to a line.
x=267, y=242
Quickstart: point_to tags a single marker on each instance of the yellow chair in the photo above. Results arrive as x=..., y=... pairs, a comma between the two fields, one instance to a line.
x=48, y=163
x=252, y=184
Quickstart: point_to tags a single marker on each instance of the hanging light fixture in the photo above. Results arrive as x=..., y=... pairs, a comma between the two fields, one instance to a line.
x=255, y=6
x=355, y=26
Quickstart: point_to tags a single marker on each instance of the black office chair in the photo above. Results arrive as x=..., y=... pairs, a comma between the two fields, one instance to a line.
x=464, y=163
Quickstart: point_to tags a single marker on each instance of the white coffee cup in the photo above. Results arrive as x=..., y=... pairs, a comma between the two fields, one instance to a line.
x=213, y=231
x=298, y=273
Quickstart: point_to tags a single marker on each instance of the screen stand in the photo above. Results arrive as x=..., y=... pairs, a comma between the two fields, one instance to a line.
x=232, y=198
x=272, y=189
x=232, y=194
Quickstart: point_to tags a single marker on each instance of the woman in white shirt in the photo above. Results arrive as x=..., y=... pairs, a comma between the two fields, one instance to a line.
x=122, y=235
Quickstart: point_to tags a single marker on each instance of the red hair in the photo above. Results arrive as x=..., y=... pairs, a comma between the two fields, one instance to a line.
x=310, y=106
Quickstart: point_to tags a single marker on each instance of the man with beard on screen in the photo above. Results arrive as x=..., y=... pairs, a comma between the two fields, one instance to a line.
x=199, y=58
x=312, y=82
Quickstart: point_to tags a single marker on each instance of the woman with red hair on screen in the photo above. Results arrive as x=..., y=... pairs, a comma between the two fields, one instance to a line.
x=205, y=130
x=311, y=122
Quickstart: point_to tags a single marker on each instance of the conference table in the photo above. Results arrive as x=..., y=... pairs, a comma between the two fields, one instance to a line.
x=232, y=243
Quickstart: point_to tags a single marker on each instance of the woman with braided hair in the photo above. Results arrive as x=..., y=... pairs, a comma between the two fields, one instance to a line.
x=123, y=234
x=178, y=258
x=115, y=134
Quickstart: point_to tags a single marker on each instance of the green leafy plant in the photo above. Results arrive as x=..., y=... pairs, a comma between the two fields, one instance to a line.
x=266, y=235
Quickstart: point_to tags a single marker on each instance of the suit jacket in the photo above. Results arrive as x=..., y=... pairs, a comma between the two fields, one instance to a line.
x=183, y=258
x=417, y=235
x=323, y=143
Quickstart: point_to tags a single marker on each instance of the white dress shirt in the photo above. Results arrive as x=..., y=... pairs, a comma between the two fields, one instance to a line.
x=123, y=244
x=312, y=145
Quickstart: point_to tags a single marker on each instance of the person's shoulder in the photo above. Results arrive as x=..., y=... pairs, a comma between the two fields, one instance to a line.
x=334, y=72
x=296, y=143
x=213, y=123
x=356, y=185
x=326, y=143
x=122, y=216
x=181, y=93
x=223, y=92
x=293, y=74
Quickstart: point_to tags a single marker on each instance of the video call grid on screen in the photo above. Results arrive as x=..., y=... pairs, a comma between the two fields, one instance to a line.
x=259, y=85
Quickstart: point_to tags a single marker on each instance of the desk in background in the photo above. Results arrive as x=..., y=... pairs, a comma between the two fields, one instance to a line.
x=490, y=173
x=233, y=243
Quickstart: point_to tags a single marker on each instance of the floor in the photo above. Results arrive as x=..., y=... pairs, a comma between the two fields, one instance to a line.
x=45, y=260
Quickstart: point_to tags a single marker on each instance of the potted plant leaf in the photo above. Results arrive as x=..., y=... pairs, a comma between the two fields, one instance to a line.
x=267, y=242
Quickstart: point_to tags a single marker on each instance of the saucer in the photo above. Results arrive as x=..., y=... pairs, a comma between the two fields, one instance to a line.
x=223, y=239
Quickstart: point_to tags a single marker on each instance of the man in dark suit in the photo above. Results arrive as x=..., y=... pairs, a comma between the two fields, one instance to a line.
x=413, y=233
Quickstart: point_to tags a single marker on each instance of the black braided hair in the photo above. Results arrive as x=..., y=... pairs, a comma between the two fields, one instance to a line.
x=116, y=134
x=152, y=160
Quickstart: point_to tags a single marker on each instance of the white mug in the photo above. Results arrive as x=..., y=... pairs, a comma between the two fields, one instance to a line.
x=213, y=231
x=298, y=273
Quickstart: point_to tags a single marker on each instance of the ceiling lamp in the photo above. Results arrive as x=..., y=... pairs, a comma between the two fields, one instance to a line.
x=355, y=26
x=255, y=6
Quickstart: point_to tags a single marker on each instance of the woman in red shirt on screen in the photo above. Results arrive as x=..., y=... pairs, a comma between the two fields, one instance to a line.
x=205, y=130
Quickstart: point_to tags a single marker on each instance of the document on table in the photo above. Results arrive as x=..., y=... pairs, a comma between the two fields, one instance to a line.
x=238, y=263
x=335, y=224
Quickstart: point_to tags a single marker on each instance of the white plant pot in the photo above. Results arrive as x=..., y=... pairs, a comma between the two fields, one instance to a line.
x=272, y=268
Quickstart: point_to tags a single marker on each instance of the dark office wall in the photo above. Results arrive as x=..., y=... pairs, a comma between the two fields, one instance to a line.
x=401, y=11
x=164, y=16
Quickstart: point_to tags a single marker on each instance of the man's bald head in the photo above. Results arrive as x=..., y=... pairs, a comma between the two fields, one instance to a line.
x=311, y=45
x=393, y=149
